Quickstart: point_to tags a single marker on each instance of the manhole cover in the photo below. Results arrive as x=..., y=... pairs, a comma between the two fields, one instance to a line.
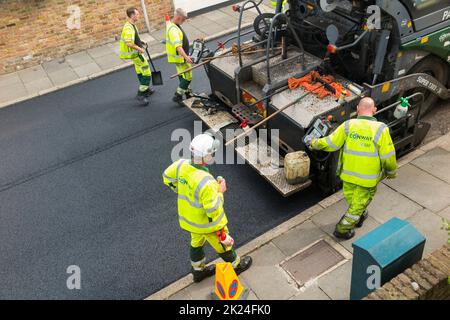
x=312, y=262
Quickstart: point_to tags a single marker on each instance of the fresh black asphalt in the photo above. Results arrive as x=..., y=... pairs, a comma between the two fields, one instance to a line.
x=80, y=184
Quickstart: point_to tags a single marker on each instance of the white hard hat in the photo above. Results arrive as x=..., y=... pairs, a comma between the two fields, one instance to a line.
x=203, y=145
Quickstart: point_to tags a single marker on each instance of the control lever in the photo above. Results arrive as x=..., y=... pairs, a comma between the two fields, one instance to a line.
x=320, y=129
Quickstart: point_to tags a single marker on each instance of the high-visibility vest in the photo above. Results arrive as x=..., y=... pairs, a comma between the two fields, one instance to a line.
x=200, y=204
x=367, y=151
x=284, y=6
x=174, y=39
x=128, y=35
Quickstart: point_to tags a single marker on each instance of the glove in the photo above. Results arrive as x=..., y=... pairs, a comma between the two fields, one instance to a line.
x=225, y=239
x=307, y=140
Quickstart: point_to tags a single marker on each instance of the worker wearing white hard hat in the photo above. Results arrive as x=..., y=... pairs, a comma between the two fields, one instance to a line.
x=200, y=207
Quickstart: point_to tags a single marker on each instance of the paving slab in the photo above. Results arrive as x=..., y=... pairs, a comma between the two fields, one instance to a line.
x=329, y=217
x=192, y=32
x=100, y=51
x=62, y=76
x=109, y=61
x=430, y=225
x=445, y=213
x=159, y=35
x=423, y=188
x=12, y=92
x=388, y=203
x=298, y=238
x=115, y=47
x=146, y=37
x=10, y=79
x=32, y=74
x=312, y=292
x=78, y=59
x=265, y=278
x=87, y=69
x=210, y=29
x=55, y=65
x=200, y=21
x=336, y=284
x=157, y=47
x=38, y=85
x=435, y=162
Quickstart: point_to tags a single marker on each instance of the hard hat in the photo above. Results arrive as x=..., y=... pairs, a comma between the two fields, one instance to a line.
x=203, y=145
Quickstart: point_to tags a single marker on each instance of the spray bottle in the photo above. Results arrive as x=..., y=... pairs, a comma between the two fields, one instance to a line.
x=402, y=109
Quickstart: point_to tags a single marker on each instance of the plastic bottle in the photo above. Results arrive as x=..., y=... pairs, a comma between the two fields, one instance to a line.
x=402, y=109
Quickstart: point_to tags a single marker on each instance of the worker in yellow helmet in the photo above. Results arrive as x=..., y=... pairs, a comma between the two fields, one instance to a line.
x=177, y=47
x=367, y=156
x=284, y=5
x=200, y=207
x=131, y=47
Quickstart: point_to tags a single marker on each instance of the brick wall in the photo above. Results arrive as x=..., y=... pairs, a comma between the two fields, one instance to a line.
x=426, y=280
x=34, y=31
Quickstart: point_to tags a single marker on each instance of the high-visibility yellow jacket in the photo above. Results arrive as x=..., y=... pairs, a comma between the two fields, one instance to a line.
x=128, y=35
x=174, y=39
x=368, y=153
x=284, y=5
x=200, y=204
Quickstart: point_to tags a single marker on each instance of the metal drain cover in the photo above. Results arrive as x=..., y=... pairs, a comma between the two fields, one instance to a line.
x=312, y=262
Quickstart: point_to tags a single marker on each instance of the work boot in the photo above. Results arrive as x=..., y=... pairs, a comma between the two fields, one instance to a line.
x=178, y=98
x=245, y=263
x=143, y=101
x=364, y=216
x=200, y=275
x=189, y=94
x=346, y=236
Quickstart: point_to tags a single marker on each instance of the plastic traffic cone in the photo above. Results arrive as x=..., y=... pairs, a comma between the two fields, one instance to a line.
x=227, y=284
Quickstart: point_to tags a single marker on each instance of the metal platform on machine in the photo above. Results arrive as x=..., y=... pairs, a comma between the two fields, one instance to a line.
x=281, y=70
x=273, y=173
x=230, y=63
x=216, y=120
x=304, y=112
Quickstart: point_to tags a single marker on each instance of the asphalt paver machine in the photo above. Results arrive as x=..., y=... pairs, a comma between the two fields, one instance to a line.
x=306, y=67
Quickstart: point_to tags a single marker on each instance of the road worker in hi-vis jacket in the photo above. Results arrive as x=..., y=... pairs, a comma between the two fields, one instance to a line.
x=367, y=156
x=200, y=207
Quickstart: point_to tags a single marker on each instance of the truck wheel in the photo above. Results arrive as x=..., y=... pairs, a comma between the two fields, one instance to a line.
x=436, y=68
x=260, y=27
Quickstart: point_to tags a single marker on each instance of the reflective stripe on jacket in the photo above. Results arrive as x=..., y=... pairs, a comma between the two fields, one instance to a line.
x=368, y=153
x=128, y=35
x=200, y=204
x=174, y=39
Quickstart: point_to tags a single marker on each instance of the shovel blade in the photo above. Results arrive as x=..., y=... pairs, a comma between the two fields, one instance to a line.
x=157, y=79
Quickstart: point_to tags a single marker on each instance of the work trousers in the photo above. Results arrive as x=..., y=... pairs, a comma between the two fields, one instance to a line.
x=185, y=78
x=358, y=199
x=143, y=72
x=197, y=253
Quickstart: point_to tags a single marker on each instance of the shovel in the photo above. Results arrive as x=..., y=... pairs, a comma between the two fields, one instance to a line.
x=157, y=79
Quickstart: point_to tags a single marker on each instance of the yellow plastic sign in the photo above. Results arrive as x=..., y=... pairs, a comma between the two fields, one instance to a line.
x=227, y=284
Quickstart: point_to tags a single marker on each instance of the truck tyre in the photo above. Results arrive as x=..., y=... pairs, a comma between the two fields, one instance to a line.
x=260, y=27
x=435, y=67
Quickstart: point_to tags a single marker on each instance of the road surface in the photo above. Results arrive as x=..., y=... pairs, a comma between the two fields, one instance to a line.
x=80, y=184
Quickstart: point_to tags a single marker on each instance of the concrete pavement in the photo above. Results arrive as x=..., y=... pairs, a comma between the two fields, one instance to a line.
x=97, y=61
x=420, y=194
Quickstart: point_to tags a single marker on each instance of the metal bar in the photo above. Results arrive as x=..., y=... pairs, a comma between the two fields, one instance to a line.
x=241, y=13
x=290, y=104
x=144, y=10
